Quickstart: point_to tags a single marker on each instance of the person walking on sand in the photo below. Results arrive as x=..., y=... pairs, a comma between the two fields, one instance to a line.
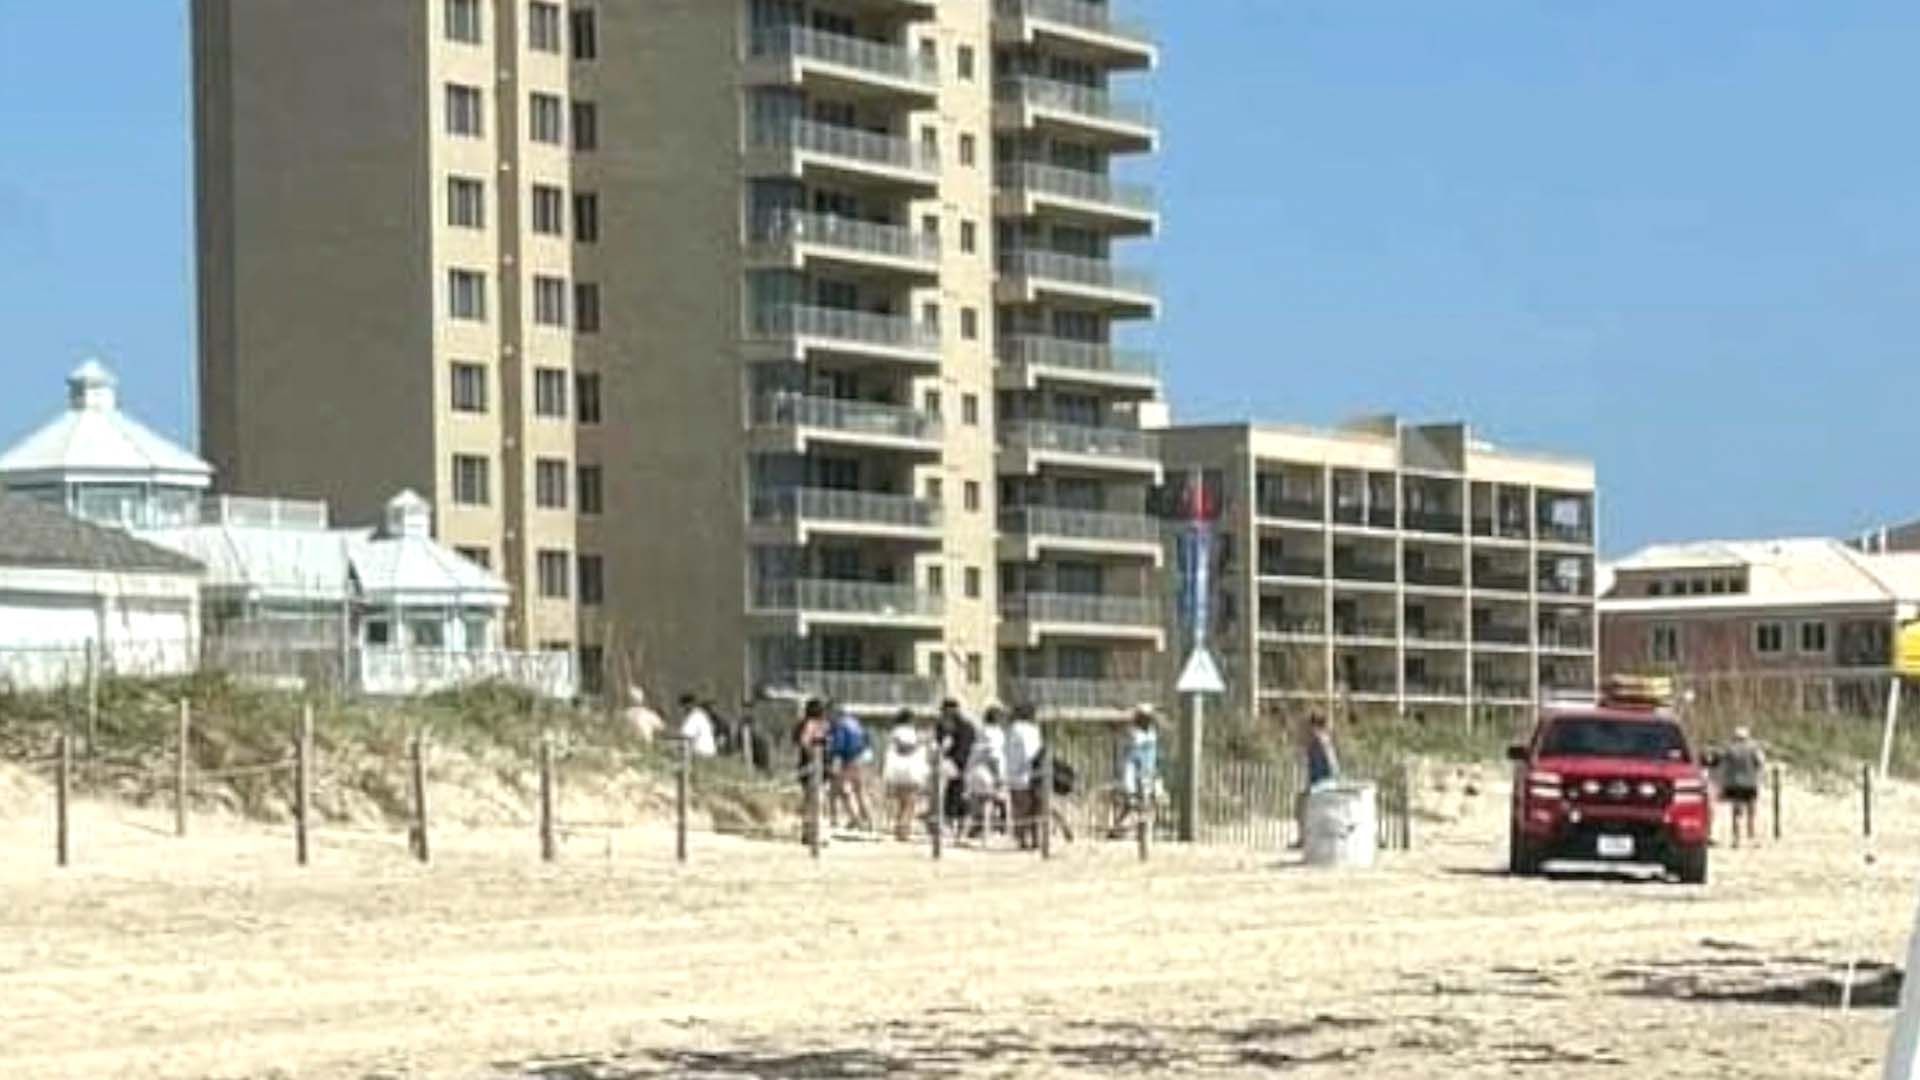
x=848, y=751
x=1323, y=767
x=1023, y=755
x=1139, y=779
x=696, y=726
x=1741, y=767
x=906, y=774
x=809, y=740
x=986, y=777
x=955, y=734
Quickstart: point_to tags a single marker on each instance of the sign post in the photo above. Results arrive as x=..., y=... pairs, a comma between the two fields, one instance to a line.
x=1200, y=675
x=1906, y=665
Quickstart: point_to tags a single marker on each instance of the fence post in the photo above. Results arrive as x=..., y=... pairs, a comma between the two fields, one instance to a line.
x=181, y=758
x=814, y=823
x=1406, y=807
x=1044, y=804
x=682, y=776
x=62, y=789
x=937, y=797
x=418, y=754
x=548, y=850
x=302, y=782
x=1776, y=802
x=1866, y=800
x=93, y=697
x=1143, y=827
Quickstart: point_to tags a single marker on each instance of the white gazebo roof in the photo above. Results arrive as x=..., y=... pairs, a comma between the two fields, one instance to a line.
x=94, y=440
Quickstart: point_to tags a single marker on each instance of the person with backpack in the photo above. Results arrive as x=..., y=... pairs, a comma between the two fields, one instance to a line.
x=848, y=751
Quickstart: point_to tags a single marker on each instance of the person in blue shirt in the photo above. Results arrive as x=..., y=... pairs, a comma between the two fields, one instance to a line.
x=848, y=751
x=1139, y=780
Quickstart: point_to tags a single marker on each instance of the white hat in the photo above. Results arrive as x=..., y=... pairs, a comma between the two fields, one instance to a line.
x=1742, y=732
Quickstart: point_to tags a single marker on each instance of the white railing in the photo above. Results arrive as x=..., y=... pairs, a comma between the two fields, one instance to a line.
x=1080, y=524
x=858, y=688
x=242, y=510
x=1077, y=270
x=1089, y=610
x=785, y=227
x=1087, y=101
x=53, y=666
x=1076, y=184
x=852, y=597
x=1111, y=442
x=1098, y=18
x=843, y=324
x=1054, y=352
x=853, y=417
x=836, y=140
x=389, y=672
x=863, y=507
x=873, y=57
x=1085, y=695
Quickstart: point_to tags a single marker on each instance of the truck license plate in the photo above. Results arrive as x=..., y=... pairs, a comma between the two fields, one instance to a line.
x=1615, y=847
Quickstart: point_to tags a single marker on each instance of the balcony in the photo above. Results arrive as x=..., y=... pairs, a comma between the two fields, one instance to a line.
x=1502, y=636
x=1501, y=581
x=796, y=515
x=1032, y=277
x=1553, y=585
x=1030, y=103
x=1438, y=522
x=1369, y=686
x=864, y=692
x=1293, y=626
x=1551, y=532
x=1027, y=445
x=1027, y=617
x=1075, y=28
x=792, y=331
x=1378, y=630
x=825, y=602
x=798, y=240
x=1506, y=691
x=1555, y=638
x=1435, y=577
x=839, y=154
x=1080, y=698
x=1363, y=570
x=1284, y=509
x=841, y=66
x=1294, y=566
x=1088, y=199
x=1514, y=530
x=1028, y=531
x=1436, y=687
x=1025, y=361
x=792, y=423
x=1436, y=633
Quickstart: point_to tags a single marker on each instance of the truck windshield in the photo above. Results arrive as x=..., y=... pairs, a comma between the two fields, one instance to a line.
x=1586, y=736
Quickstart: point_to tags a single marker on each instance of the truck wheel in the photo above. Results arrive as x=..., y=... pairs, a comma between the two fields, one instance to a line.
x=1522, y=859
x=1690, y=866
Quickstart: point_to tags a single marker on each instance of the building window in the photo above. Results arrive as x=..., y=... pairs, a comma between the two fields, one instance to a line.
x=586, y=307
x=1655, y=588
x=466, y=202
x=1813, y=638
x=930, y=143
x=934, y=489
x=1663, y=644
x=937, y=666
x=548, y=121
x=970, y=409
x=550, y=484
x=586, y=397
x=1769, y=638
x=967, y=149
x=554, y=575
x=937, y=580
x=550, y=301
x=930, y=316
x=467, y=295
x=930, y=403
x=543, y=26
x=973, y=583
x=549, y=210
x=463, y=21
x=464, y=115
x=970, y=494
x=975, y=669
x=586, y=34
x=969, y=237
x=470, y=480
x=969, y=324
x=593, y=670
x=965, y=64
x=469, y=384
x=586, y=218
x=586, y=126
x=592, y=496
x=593, y=581
x=478, y=556
x=550, y=393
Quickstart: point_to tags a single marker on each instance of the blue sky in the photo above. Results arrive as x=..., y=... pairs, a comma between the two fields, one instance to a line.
x=1683, y=239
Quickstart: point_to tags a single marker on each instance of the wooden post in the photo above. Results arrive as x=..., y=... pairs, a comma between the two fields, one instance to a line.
x=1043, y=805
x=1406, y=807
x=1142, y=828
x=302, y=783
x=62, y=790
x=181, y=757
x=815, y=826
x=1866, y=801
x=937, y=798
x=93, y=698
x=548, y=849
x=1776, y=802
x=418, y=755
x=681, y=779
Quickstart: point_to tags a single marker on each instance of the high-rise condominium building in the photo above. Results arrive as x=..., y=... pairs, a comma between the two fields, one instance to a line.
x=1395, y=570
x=759, y=343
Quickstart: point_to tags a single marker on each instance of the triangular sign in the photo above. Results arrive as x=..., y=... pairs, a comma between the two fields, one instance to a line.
x=1201, y=675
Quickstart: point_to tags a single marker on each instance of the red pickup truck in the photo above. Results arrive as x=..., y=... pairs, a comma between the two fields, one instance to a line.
x=1610, y=783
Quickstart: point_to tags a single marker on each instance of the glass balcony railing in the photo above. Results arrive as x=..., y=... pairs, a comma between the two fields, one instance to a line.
x=1297, y=625
x=1097, y=18
x=848, y=597
x=1436, y=632
x=1076, y=184
x=854, y=144
x=1565, y=637
x=1502, y=635
x=1364, y=570
x=1080, y=525
x=793, y=505
x=1053, y=352
x=1081, y=694
x=1088, y=610
x=1076, y=270
x=1436, y=686
x=1090, y=102
x=845, y=324
x=1293, y=509
x=1502, y=580
x=1370, y=629
x=859, y=688
x=1554, y=532
x=1298, y=566
x=781, y=228
x=851, y=417
x=1443, y=577
x=880, y=58
x=1434, y=521
x=1495, y=688
x=1082, y=440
